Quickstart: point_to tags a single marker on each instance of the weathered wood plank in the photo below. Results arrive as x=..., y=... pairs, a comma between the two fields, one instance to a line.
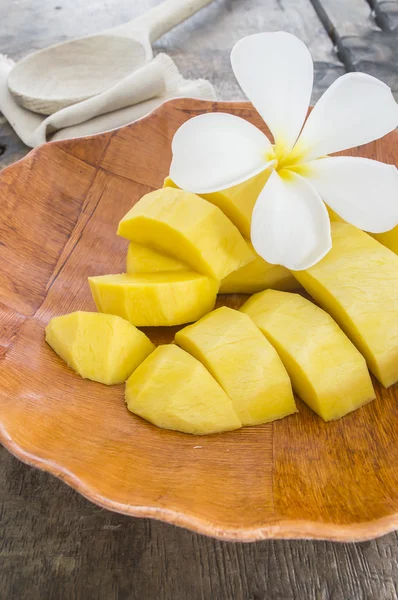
x=386, y=13
x=200, y=46
x=226, y=21
x=362, y=44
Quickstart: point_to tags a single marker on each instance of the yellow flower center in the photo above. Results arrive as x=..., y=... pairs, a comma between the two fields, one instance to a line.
x=288, y=163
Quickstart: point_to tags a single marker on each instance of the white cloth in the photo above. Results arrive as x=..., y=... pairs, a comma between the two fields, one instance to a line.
x=129, y=100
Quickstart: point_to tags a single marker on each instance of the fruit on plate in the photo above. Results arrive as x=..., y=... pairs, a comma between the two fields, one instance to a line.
x=104, y=348
x=141, y=259
x=326, y=369
x=357, y=283
x=155, y=299
x=173, y=390
x=188, y=228
x=258, y=275
x=243, y=362
x=236, y=202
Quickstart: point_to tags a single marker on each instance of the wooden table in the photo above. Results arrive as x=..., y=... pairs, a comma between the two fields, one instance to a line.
x=56, y=545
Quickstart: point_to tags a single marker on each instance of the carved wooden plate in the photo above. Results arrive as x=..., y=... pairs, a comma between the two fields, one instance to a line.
x=295, y=478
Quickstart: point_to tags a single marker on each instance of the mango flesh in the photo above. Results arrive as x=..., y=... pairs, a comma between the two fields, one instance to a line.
x=155, y=299
x=185, y=226
x=236, y=202
x=104, y=348
x=258, y=275
x=141, y=259
x=357, y=283
x=389, y=239
x=173, y=390
x=243, y=362
x=326, y=369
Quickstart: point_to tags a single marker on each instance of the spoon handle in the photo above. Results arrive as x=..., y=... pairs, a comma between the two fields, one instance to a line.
x=168, y=14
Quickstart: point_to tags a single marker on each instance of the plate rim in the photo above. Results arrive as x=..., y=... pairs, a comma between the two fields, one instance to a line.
x=288, y=529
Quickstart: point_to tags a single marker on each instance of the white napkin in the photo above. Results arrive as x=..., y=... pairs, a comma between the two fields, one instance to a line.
x=129, y=100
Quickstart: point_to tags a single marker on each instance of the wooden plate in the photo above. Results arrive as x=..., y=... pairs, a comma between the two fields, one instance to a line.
x=295, y=478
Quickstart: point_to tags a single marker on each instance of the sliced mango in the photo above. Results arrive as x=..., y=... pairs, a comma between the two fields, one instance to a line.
x=389, y=239
x=243, y=362
x=104, y=348
x=326, y=369
x=155, y=299
x=141, y=259
x=357, y=283
x=173, y=390
x=236, y=202
x=188, y=228
x=258, y=275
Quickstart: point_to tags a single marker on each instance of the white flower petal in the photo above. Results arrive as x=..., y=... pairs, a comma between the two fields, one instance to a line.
x=275, y=71
x=355, y=110
x=215, y=151
x=361, y=191
x=290, y=223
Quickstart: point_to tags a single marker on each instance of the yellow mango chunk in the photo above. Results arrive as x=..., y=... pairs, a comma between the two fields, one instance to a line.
x=155, y=299
x=326, y=369
x=389, y=239
x=357, y=283
x=173, y=390
x=236, y=202
x=258, y=275
x=141, y=259
x=188, y=228
x=243, y=362
x=104, y=348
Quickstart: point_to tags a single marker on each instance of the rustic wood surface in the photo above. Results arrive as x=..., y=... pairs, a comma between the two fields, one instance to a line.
x=54, y=543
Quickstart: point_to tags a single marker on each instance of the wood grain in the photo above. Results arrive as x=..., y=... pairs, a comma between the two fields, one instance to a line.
x=362, y=43
x=297, y=477
x=386, y=14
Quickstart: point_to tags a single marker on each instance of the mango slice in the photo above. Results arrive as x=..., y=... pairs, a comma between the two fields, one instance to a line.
x=155, y=299
x=236, y=202
x=104, y=348
x=188, y=228
x=243, y=362
x=389, y=239
x=141, y=259
x=258, y=275
x=173, y=390
x=326, y=369
x=357, y=283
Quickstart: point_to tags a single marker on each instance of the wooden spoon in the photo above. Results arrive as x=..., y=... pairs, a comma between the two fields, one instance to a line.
x=61, y=75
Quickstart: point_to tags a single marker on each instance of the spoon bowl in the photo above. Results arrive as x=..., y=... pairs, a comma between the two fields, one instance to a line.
x=61, y=75
x=48, y=80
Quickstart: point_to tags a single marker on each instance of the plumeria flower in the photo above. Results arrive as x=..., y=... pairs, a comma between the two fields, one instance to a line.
x=290, y=223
